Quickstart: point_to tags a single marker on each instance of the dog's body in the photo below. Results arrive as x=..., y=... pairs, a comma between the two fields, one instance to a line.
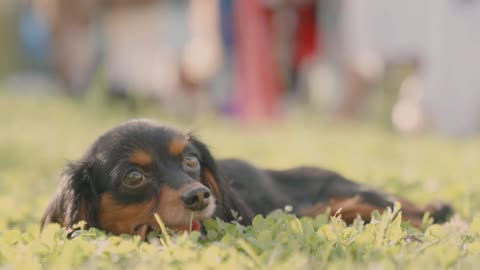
x=311, y=190
x=141, y=168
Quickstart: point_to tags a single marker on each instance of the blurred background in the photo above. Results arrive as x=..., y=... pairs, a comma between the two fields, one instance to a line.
x=406, y=65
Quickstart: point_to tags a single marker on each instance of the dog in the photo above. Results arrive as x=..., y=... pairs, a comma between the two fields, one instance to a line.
x=141, y=168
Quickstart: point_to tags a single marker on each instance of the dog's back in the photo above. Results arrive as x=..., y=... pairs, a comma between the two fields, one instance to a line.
x=313, y=190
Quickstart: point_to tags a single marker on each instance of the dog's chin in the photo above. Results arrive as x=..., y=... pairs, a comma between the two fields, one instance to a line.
x=185, y=217
x=179, y=216
x=178, y=219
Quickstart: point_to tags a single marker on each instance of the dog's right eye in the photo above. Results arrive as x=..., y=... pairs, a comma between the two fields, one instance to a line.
x=133, y=179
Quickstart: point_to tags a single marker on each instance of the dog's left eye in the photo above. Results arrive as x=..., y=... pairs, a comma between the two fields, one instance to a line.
x=133, y=179
x=190, y=162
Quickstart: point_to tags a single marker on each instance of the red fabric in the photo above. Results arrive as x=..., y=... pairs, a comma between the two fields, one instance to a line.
x=257, y=87
x=306, y=40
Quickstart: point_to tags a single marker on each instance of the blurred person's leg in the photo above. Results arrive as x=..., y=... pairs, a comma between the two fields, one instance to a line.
x=75, y=56
x=282, y=25
x=33, y=33
x=363, y=63
x=202, y=52
x=257, y=88
x=356, y=89
x=362, y=60
x=295, y=44
x=221, y=90
x=73, y=40
x=319, y=83
x=308, y=44
x=201, y=55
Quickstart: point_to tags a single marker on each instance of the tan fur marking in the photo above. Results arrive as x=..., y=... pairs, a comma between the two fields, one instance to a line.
x=140, y=157
x=118, y=218
x=176, y=145
x=350, y=208
x=209, y=181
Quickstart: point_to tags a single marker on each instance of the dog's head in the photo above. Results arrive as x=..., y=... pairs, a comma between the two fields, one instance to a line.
x=133, y=171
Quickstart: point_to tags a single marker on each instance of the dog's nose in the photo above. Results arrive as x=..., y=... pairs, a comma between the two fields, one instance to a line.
x=196, y=199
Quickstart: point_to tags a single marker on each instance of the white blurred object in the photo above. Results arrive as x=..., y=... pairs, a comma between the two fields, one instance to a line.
x=202, y=54
x=451, y=66
x=142, y=51
x=407, y=113
x=377, y=34
x=322, y=86
x=369, y=64
x=150, y=46
x=391, y=29
x=441, y=36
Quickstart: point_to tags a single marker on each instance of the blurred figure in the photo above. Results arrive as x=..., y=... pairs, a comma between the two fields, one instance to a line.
x=72, y=39
x=221, y=88
x=156, y=48
x=33, y=35
x=257, y=87
x=267, y=70
x=306, y=40
x=173, y=53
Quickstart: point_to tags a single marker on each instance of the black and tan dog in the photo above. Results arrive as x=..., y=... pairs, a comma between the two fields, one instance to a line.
x=141, y=168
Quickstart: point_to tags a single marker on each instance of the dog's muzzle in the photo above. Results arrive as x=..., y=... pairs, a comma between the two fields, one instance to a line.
x=196, y=199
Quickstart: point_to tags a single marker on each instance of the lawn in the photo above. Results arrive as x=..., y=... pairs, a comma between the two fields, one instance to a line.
x=38, y=135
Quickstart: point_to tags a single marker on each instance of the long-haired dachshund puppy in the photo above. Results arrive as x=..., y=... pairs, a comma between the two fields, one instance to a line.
x=142, y=168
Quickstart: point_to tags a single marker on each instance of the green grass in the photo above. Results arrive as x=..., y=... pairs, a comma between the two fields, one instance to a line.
x=38, y=135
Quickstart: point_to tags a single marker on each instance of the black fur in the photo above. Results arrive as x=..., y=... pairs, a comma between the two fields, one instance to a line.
x=242, y=188
x=75, y=198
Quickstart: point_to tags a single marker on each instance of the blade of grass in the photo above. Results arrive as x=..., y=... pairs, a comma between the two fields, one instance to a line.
x=191, y=223
x=165, y=236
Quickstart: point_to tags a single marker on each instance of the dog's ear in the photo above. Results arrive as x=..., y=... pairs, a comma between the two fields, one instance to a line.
x=227, y=199
x=75, y=198
x=209, y=174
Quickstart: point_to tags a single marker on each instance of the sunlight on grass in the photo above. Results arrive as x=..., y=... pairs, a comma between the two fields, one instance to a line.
x=39, y=135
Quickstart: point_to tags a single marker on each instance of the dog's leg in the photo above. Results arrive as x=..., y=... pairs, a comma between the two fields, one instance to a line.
x=313, y=190
x=348, y=208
